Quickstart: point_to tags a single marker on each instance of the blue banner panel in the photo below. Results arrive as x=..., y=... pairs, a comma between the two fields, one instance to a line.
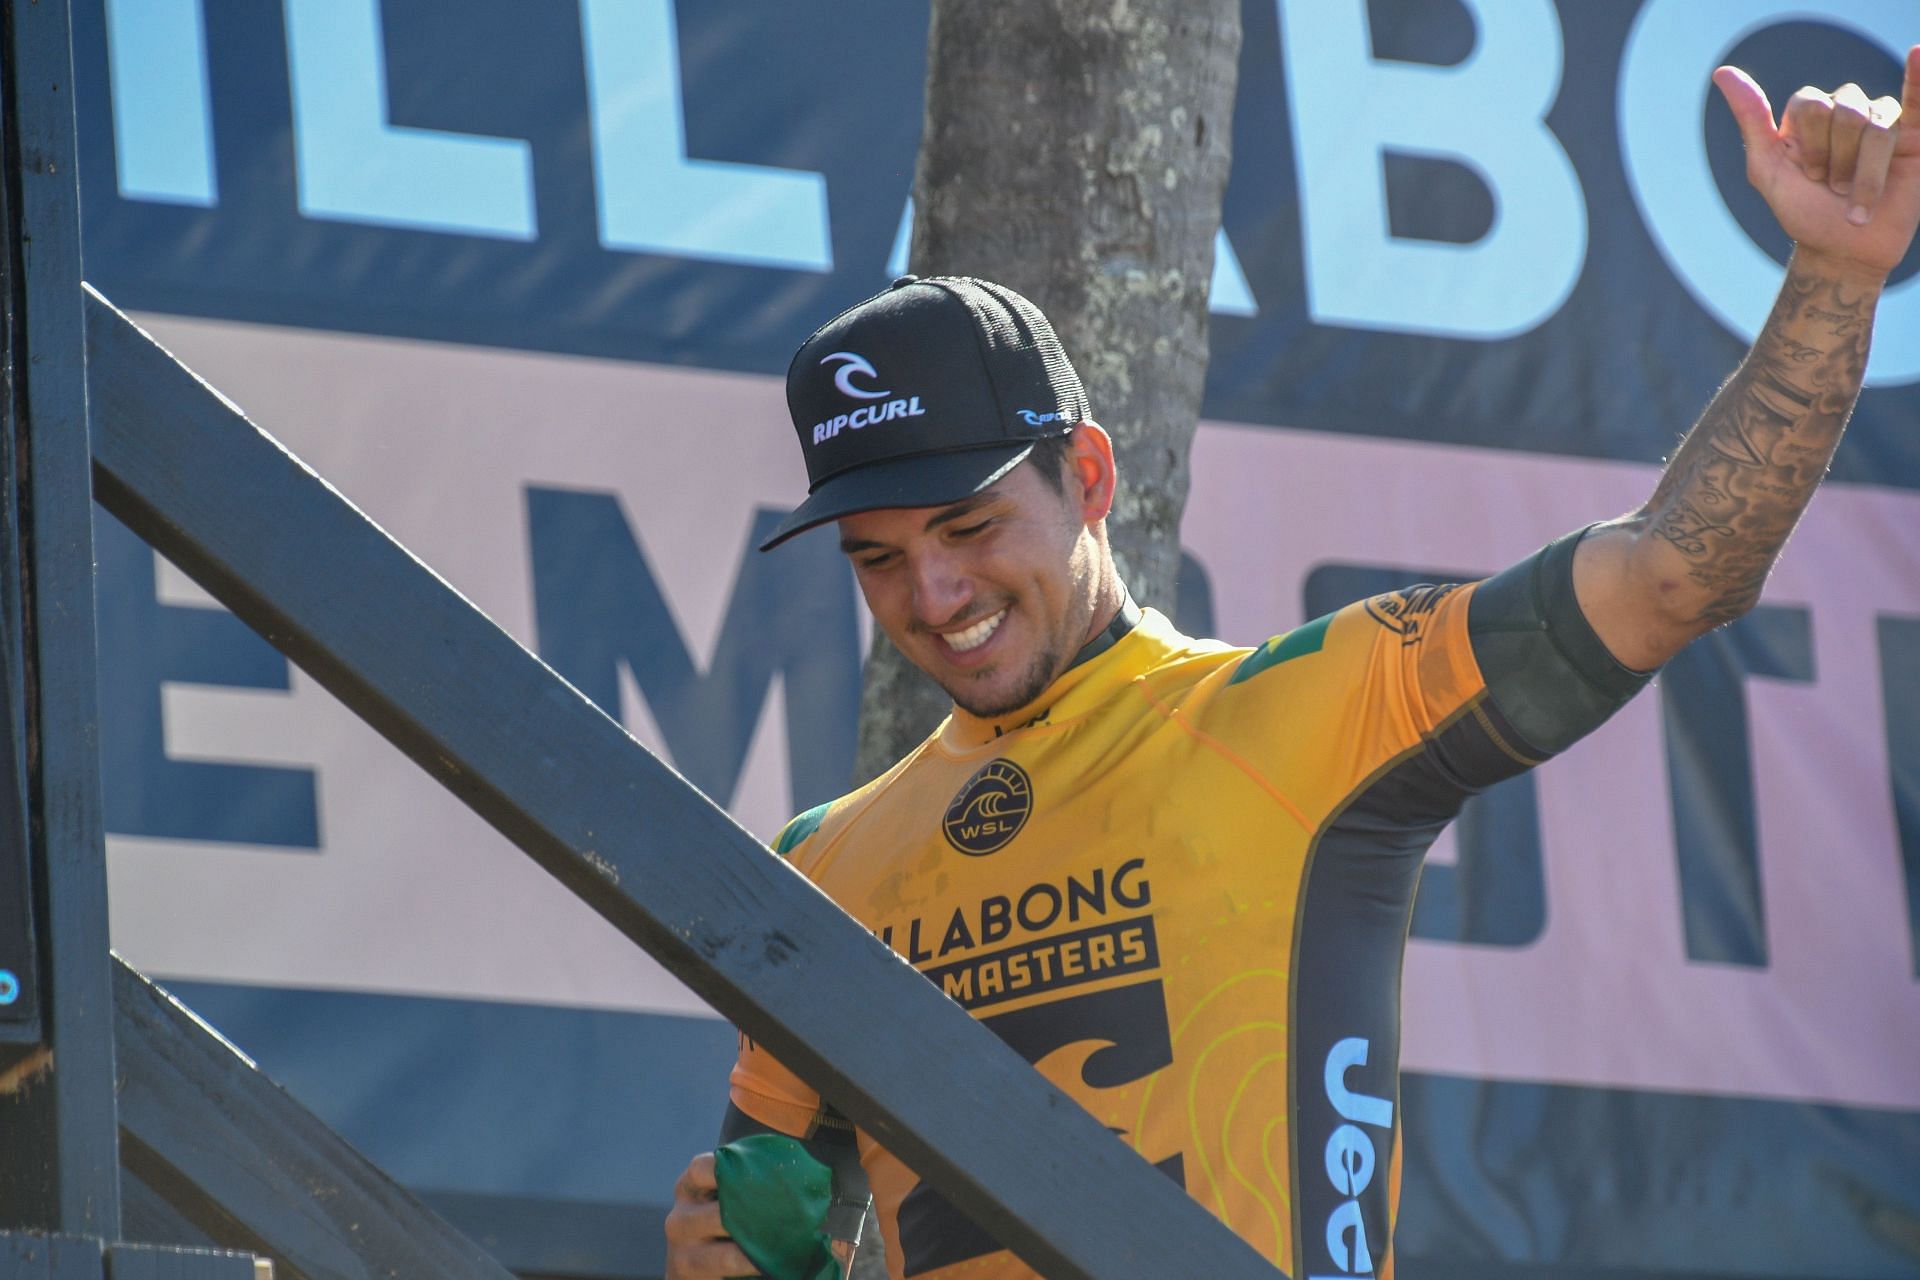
x=560, y=1132
x=1641, y=1183
x=1516, y=225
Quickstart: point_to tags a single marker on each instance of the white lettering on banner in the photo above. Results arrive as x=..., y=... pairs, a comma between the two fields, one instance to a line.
x=162, y=111
x=653, y=198
x=1664, y=90
x=353, y=165
x=1489, y=114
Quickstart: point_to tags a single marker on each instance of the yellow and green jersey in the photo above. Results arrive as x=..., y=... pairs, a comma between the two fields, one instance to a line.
x=1180, y=886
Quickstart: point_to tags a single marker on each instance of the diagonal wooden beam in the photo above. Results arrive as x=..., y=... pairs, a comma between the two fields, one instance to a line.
x=269, y=539
x=245, y=1164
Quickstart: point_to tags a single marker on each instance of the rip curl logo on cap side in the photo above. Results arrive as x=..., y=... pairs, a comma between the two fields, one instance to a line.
x=990, y=810
x=851, y=364
x=1035, y=419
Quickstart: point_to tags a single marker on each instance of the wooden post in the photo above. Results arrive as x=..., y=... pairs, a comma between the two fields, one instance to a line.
x=59, y=1163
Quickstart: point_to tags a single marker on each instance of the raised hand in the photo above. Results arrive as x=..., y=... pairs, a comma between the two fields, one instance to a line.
x=1840, y=172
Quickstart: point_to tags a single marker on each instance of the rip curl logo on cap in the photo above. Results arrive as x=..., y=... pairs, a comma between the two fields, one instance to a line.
x=990, y=810
x=1034, y=419
x=851, y=364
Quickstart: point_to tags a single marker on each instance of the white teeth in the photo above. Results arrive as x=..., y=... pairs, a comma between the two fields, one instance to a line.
x=976, y=635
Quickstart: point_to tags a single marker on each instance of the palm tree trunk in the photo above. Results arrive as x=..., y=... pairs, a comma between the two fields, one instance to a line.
x=1077, y=152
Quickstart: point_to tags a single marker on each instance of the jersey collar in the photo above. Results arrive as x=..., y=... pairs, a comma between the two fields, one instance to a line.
x=1125, y=647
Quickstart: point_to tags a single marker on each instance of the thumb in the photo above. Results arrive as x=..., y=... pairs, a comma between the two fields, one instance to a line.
x=1748, y=102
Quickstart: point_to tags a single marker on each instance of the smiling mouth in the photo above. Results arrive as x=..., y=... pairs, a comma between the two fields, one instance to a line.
x=976, y=635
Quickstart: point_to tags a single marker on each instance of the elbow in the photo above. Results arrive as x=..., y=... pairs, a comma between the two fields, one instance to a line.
x=1677, y=597
x=1688, y=598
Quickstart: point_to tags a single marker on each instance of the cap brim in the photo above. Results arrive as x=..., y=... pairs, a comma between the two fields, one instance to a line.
x=923, y=480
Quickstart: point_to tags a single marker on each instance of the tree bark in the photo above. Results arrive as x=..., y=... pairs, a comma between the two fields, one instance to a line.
x=1077, y=152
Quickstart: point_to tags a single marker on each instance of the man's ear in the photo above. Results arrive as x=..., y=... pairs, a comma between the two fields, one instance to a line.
x=1090, y=462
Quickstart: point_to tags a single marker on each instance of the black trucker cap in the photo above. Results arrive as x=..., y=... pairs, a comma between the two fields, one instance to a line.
x=923, y=395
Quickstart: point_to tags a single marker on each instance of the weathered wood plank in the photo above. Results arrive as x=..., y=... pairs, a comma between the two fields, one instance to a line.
x=149, y=1262
x=247, y=1166
x=60, y=1169
x=49, y=1257
x=271, y=541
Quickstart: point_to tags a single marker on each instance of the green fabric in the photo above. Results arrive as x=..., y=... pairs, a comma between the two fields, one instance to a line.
x=1297, y=643
x=800, y=828
x=773, y=1202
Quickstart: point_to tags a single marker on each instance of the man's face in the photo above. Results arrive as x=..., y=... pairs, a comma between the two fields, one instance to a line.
x=991, y=596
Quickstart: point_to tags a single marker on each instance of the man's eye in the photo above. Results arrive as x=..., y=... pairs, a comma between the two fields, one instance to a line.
x=969, y=530
x=874, y=562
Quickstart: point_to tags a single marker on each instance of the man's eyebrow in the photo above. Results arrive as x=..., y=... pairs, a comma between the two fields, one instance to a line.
x=959, y=510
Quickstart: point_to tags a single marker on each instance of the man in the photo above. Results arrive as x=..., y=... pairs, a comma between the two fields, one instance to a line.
x=1178, y=876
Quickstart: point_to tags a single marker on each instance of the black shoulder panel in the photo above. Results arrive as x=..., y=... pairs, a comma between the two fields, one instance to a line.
x=1551, y=677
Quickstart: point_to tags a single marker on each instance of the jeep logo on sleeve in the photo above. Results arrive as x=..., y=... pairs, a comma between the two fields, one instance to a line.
x=990, y=810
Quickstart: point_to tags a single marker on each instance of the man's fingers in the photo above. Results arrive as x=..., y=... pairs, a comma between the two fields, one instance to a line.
x=691, y=1222
x=1876, y=157
x=1849, y=121
x=697, y=1181
x=721, y=1258
x=711, y=1260
x=1807, y=126
x=1910, y=92
x=1748, y=102
x=698, y=1246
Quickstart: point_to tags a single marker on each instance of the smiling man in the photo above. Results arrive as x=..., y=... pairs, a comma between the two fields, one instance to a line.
x=1177, y=875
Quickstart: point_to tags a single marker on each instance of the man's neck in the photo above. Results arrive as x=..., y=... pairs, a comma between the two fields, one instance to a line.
x=1122, y=617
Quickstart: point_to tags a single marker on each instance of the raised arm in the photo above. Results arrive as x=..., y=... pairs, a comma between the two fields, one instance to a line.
x=1842, y=175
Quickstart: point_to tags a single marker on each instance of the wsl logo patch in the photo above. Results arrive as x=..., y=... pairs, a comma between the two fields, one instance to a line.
x=990, y=809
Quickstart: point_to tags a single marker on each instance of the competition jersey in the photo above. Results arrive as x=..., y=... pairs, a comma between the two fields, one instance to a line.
x=1180, y=886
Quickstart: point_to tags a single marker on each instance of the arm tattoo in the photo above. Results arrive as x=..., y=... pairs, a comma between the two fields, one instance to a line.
x=1740, y=479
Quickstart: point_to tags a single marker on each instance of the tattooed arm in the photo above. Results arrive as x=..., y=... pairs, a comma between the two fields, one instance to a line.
x=1843, y=176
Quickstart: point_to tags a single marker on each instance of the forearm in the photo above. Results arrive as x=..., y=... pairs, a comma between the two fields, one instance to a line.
x=1740, y=479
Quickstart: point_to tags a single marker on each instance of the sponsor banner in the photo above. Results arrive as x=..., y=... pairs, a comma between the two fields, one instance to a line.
x=523, y=284
x=627, y=564
x=1516, y=224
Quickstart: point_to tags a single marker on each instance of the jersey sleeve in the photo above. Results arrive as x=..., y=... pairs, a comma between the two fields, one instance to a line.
x=1367, y=689
x=759, y=1086
x=1501, y=674
x=1494, y=677
x=1548, y=673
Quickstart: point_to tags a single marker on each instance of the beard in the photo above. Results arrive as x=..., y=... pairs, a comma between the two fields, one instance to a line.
x=1033, y=682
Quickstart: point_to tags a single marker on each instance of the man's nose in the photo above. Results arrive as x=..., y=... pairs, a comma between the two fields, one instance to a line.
x=941, y=589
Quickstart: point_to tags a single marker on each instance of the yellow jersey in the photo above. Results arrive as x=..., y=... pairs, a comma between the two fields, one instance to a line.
x=1180, y=886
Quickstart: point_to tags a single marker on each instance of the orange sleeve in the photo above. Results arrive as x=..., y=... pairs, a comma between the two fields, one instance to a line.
x=1428, y=627
x=771, y=1094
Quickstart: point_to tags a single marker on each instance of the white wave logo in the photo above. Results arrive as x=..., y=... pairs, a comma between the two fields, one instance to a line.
x=852, y=364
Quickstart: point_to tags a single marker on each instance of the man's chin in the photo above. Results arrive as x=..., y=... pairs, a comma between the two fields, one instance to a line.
x=992, y=703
